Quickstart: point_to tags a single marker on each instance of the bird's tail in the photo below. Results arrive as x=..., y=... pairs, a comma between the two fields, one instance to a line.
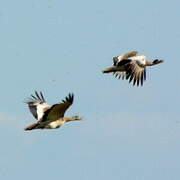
x=31, y=127
x=110, y=69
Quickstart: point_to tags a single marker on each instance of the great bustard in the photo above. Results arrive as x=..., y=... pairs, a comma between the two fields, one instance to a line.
x=49, y=117
x=131, y=66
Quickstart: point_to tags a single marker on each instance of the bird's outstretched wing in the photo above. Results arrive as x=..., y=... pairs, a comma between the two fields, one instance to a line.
x=58, y=110
x=37, y=105
x=135, y=73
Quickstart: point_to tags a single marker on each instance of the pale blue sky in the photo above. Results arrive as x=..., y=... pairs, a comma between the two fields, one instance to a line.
x=58, y=47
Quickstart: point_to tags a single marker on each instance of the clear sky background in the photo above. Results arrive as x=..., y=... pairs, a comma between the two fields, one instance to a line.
x=58, y=47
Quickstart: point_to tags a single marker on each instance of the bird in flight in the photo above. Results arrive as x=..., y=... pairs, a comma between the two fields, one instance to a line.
x=131, y=66
x=49, y=117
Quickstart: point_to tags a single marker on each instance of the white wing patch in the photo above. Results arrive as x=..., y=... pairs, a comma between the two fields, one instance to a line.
x=41, y=108
x=37, y=105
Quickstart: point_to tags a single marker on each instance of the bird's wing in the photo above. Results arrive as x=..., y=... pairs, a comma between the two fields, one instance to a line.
x=58, y=110
x=37, y=105
x=120, y=75
x=129, y=55
x=135, y=73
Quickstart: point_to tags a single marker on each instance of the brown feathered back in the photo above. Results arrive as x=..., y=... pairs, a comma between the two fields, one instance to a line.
x=58, y=110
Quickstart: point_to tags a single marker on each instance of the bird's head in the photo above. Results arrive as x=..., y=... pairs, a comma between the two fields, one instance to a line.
x=77, y=118
x=157, y=61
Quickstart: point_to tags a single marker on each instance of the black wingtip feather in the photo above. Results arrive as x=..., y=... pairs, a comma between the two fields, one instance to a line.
x=69, y=98
x=144, y=75
x=131, y=78
x=38, y=97
x=142, y=79
x=33, y=97
x=138, y=81
x=42, y=97
x=116, y=74
x=134, y=82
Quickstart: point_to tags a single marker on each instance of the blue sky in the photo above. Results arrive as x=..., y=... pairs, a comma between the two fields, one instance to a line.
x=62, y=46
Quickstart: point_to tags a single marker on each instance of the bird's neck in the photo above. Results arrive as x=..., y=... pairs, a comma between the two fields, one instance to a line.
x=149, y=63
x=67, y=119
x=73, y=118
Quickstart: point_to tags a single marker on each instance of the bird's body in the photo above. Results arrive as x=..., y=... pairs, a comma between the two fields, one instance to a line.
x=131, y=66
x=49, y=117
x=56, y=124
x=47, y=125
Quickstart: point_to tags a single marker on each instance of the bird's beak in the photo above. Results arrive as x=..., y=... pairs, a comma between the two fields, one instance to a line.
x=110, y=69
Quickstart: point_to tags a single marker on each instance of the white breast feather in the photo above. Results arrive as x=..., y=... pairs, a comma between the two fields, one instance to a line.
x=56, y=124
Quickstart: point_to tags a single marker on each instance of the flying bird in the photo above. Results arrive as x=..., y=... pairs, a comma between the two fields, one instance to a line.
x=131, y=66
x=49, y=117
